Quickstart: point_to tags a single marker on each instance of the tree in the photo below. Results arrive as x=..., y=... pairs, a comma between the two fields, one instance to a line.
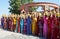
x=15, y=5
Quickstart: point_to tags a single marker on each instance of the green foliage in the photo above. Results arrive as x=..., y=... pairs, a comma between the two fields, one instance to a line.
x=15, y=5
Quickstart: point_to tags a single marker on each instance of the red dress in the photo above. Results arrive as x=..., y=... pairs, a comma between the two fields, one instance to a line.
x=5, y=26
x=10, y=24
x=37, y=27
x=49, y=25
x=19, y=25
x=25, y=26
x=55, y=29
x=59, y=28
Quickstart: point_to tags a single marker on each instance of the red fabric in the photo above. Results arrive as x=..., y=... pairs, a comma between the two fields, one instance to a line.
x=19, y=25
x=37, y=27
x=5, y=26
x=25, y=26
x=49, y=23
x=56, y=30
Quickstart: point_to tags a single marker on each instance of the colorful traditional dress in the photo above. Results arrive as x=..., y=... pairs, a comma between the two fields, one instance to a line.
x=10, y=24
x=25, y=26
x=16, y=29
x=28, y=25
x=45, y=27
x=19, y=25
x=2, y=22
x=14, y=23
x=55, y=29
x=49, y=25
x=59, y=28
x=22, y=24
x=5, y=24
x=39, y=27
x=34, y=20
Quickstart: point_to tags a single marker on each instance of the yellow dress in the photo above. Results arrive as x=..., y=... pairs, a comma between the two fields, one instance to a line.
x=14, y=24
x=34, y=20
x=14, y=19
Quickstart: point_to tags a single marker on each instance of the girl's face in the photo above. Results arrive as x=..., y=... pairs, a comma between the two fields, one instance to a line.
x=10, y=17
x=17, y=18
x=26, y=16
x=35, y=15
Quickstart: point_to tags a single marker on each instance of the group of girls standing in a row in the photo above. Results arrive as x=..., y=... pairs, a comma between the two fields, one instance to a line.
x=45, y=24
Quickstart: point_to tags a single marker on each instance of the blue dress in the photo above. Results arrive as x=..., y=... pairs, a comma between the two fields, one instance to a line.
x=2, y=22
x=29, y=25
x=22, y=25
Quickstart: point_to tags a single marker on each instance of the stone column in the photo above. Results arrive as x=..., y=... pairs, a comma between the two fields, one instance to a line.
x=47, y=7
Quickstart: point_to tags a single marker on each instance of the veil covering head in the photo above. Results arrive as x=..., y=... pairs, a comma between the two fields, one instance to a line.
x=40, y=15
x=54, y=11
x=46, y=13
x=58, y=14
x=4, y=15
x=51, y=13
x=23, y=16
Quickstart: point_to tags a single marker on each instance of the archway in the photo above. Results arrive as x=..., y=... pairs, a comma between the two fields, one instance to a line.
x=44, y=5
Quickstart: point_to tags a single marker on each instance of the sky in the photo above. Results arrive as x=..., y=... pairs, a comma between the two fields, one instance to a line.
x=4, y=5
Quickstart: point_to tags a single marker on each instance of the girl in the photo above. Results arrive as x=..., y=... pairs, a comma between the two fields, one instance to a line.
x=34, y=20
x=45, y=25
x=28, y=24
x=39, y=27
x=21, y=23
x=55, y=26
x=2, y=22
x=14, y=22
x=10, y=23
x=25, y=23
x=18, y=23
x=5, y=22
x=49, y=26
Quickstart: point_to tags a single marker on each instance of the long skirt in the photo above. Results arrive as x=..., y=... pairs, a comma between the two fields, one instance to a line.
x=14, y=27
x=22, y=28
x=45, y=31
x=33, y=29
x=29, y=29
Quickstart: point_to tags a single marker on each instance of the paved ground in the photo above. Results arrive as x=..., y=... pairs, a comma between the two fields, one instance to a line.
x=11, y=35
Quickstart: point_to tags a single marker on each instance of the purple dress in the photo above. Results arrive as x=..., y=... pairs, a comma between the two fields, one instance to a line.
x=2, y=22
x=45, y=27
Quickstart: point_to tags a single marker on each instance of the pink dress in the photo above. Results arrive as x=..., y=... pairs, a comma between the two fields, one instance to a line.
x=45, y=27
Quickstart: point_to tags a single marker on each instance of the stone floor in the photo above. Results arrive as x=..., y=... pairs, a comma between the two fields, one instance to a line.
x=11, y=35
